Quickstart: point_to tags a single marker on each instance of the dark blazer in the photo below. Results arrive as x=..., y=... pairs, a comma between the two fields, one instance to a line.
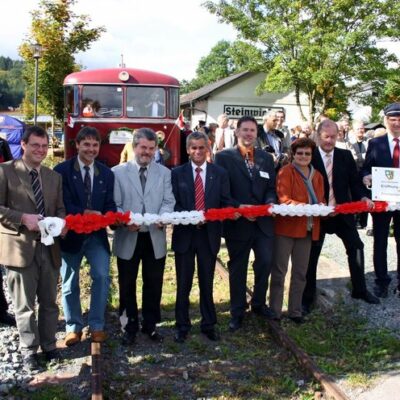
x=346, y=182
x=74, y=198
x=378, y=155
x=246, y=190
x=216, y=194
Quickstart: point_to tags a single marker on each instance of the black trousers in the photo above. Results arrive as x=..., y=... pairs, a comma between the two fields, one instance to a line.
x=381, y=224
x=239, y=252
x=152, y=275
x=3, y=301
x=355, y=256
x=185, y=265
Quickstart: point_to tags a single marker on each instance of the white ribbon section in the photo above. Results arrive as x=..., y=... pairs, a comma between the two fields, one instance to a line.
x=50, y=227
x=300, y=210
x=174, y=218
x=393, y=206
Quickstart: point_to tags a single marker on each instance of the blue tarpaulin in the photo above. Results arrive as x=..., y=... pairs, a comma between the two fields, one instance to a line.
x=12, y=129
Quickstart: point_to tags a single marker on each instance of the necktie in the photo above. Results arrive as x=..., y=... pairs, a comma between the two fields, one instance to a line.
x=199, y=191
x=249, y=164
x=87, y=183
x=37, y=192
x=142, y=176
x=396, y=153
x=328, y=169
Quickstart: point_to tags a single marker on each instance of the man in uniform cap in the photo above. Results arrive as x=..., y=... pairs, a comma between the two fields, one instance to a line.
x=384, y=151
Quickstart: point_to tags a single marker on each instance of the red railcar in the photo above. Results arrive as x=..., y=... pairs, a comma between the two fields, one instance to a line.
x=116, y=101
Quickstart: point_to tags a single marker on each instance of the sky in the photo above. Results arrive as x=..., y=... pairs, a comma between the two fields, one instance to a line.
x=168, y=36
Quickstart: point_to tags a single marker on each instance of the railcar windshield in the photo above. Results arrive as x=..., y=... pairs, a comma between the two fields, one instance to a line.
x=102, y=101
x=145, y=102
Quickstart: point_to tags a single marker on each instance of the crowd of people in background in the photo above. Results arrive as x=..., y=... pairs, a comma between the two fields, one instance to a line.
x=237, y=163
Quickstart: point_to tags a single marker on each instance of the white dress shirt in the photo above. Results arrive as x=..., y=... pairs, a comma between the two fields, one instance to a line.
x=202, y=173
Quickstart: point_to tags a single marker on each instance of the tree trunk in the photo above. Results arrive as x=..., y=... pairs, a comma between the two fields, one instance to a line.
x=297, y=94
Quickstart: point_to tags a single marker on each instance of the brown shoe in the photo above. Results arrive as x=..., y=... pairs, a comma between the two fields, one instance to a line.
x=72, y=338
x=98, y=336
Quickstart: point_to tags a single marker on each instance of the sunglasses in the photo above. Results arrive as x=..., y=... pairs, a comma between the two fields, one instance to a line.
x=303, y=153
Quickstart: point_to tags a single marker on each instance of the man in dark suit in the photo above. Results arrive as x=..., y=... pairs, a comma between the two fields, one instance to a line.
x=5, y=317
x=88, y=189
x=28, y=192
x=197, y=185
x=342, y=184
x=252, y=182
x=384, y=151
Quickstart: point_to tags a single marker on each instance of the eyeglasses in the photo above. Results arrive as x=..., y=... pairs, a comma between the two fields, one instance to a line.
x=37, y=146
x=303, y=153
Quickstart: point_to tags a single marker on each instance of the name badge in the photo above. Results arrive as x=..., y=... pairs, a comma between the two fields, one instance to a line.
x=264, y=174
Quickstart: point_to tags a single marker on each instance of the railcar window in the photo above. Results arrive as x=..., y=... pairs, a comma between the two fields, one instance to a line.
x=102, y=101
x=145, y=102
x=71, y=100
x=173, y=102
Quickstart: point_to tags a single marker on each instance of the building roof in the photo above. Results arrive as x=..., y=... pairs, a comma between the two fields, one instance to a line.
x=205, y=91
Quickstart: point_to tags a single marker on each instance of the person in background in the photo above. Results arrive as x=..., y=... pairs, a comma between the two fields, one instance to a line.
x=224, y=135
x=30, y=191
x=142, y=185
x=5, y=317
x=197, y=185
x=87, y=189
x=281, y=118
x=384, y=151
x=185, y=132
x=296, y=183
x=252, y=181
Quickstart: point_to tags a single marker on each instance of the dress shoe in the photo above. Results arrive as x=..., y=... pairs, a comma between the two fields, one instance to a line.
x=72, y=338
x=370, y=232
x=153, y=335
x=306, y=309
x=7, y=319
x=235, y=324
x=53, y=355
x=180, y=336
x=297, y=320
x=381, y=291
x=128, y=338
x=31, y=363
x=367, y=297
x=264, y=311
x=98, y=336
x=212, y=335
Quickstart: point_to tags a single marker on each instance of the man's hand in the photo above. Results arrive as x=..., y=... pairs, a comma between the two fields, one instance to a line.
x=31, y=221
x=160, y=226
x=86, y=212
x=251, y=219
x=64, y=231
x=367, y=181
x=369, y=202
x=133, y=228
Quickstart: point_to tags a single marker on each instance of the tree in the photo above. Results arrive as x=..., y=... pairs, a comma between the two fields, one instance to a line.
x=11, y=83
x=317, y=47
x=61, y=33
x=224, y=59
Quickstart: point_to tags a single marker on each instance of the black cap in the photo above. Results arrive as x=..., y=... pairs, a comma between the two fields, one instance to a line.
x=392, y=110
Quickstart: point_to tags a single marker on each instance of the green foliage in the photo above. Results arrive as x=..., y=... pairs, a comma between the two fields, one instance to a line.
x=11, y=83
x=61, y=33
x=319, y=48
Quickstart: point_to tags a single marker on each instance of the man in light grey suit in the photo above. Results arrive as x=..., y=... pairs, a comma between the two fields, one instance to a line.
x=141, y=185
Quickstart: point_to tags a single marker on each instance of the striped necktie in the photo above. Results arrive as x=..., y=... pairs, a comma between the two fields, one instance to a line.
x=87, y=183
x=199, y=191
x=37, y=192
x=329, y=171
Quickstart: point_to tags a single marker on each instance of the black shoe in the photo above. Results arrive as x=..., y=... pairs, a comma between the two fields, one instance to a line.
x=53, y=355
x=153, y=335
x=370, y=232
x=31, y=363
x=297, y=320
x=367, y=297
x=381, y=291
x=264, y=311
x=7, y=319
x=128, y=338
x=180, y=336
x=212, y=335
x=235, y=323
x=306, y=309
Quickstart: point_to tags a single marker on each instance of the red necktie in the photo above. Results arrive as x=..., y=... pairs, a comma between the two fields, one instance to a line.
x=199, y=191
x=396, y=153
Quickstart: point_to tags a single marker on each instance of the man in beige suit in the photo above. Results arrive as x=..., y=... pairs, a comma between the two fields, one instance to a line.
x=28, y=192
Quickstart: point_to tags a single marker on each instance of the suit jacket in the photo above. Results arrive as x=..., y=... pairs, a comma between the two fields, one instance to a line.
x=378, y=155
x=75, y=202
x=216, y=196
x=346, y=182
x=255, y=190
x=17, y=244
x=157, y=199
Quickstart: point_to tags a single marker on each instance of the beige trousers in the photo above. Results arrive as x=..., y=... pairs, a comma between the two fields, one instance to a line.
x=39, y=280
x=299, y=251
